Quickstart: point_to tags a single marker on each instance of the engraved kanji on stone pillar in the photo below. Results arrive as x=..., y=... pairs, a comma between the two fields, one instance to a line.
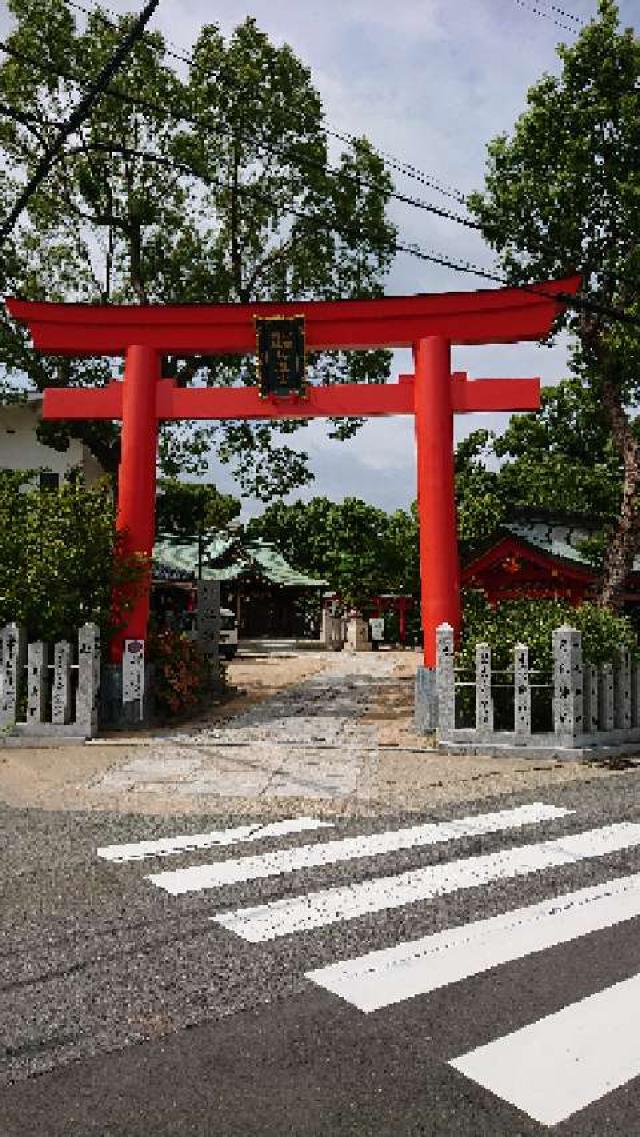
x=88, y=678
x=37, y=676
x=484, y=701
x=607, y=717
x=567, y=684
x=521, y=693
x=635, y=693
x=61, y=689
x=622, y=690
x=209, y=618
x=12, y=659
x=590, y=698
x=133, y=678
x=445, y=680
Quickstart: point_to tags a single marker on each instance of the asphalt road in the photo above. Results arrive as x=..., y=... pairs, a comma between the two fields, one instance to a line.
x=134, y=1007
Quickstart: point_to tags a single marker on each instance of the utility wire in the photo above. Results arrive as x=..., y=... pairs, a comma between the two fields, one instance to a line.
x=390, y=160
x=582, y=303
x=547, y=15
x=270, y=148
x=77, y=116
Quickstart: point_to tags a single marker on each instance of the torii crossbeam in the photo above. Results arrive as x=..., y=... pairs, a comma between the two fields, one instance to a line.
x=429, y=324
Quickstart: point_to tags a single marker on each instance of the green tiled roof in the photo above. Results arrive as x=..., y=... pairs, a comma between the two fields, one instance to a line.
x=553, y=539
x=179, y=560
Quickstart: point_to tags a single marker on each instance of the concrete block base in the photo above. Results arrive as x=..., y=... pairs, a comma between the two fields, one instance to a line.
x=542, y=753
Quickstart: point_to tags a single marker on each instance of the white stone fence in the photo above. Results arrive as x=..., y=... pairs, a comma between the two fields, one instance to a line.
x=48, y=694
x=593, y=709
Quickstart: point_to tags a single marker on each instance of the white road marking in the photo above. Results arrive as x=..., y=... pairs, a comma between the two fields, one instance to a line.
x=348, y=848
x=567, y=1060
x=380, y=978
x=167, y=845
x=330, y=905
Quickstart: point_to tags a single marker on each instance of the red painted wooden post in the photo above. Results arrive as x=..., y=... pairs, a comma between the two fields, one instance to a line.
x=439, y=562
x=137, y=477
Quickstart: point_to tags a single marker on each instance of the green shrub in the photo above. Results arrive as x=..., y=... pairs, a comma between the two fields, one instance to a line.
x=532, y=622
x=182, y=675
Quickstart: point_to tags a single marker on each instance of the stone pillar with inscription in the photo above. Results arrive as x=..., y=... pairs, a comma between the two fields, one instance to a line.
x=37, y=675
x=622, y=690
x=12, y=660
x=484, y=699
x=522, y=693
x=208, y=621
x=61, y=689
x=133, y=680
x=445, y=680
x=568, y=718
x=88, y=678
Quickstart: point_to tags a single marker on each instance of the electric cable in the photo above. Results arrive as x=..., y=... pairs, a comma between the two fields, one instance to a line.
x=580, y=302
x=398, y=164
x=528, y=7
x=405, y=199
x=78, y=115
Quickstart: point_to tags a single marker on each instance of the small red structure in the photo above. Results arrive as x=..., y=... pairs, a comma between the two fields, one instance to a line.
x=514, y=568
x=430, y=324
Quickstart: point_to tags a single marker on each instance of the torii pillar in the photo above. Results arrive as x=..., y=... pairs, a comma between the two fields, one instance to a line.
x=429, y=324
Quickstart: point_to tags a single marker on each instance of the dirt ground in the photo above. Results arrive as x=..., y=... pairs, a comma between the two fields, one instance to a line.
x=407, y=774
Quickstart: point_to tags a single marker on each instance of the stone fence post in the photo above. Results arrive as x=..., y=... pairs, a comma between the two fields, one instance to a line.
x=88, y=678
x=606, y=697
x=568, y=720
x=622, y=690
x=12, y=660
x=521, y=693
x=38, y=674
x=61, y=690
x=208, y=619
x=484, y=701
x=590, y=697
x=445, y=680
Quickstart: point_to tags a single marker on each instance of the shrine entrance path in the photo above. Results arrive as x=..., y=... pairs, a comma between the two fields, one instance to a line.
x=312, y=734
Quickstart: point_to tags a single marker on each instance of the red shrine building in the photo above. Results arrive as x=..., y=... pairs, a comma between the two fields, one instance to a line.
x=539, y=555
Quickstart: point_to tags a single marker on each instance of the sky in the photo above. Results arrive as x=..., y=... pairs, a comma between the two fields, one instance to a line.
x=430, y=82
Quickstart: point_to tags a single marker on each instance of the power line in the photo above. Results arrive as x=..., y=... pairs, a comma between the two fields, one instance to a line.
x=399, y=247
x=398, y=164
x=528, y=7
x=582, y=303
x=77, y=116
x=405, y=199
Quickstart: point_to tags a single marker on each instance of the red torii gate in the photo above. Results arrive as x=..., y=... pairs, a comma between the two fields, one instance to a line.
x=429, y=324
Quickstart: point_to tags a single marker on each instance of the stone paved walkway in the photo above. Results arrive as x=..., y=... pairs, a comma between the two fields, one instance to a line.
x=305, y=742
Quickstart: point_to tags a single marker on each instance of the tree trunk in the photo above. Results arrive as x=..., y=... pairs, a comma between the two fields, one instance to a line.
x=624, y=539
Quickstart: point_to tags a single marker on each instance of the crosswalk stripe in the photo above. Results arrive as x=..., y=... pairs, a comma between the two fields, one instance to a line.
x=198, y=877
x=330, y=905
x=380, y=978
x=565, y=1061
x=164, y=846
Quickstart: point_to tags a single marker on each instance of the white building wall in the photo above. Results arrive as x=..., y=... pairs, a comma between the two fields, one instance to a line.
x=21, y=450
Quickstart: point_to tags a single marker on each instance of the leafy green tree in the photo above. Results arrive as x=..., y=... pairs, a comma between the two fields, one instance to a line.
x=561, y=193
x=60, y=558
x=532, y=622
x=359, y=549
x=561, y=459
x=186, y=509
x=212, y=187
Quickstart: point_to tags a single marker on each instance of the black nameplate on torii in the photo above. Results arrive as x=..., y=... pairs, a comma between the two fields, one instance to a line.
x=281, y=360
